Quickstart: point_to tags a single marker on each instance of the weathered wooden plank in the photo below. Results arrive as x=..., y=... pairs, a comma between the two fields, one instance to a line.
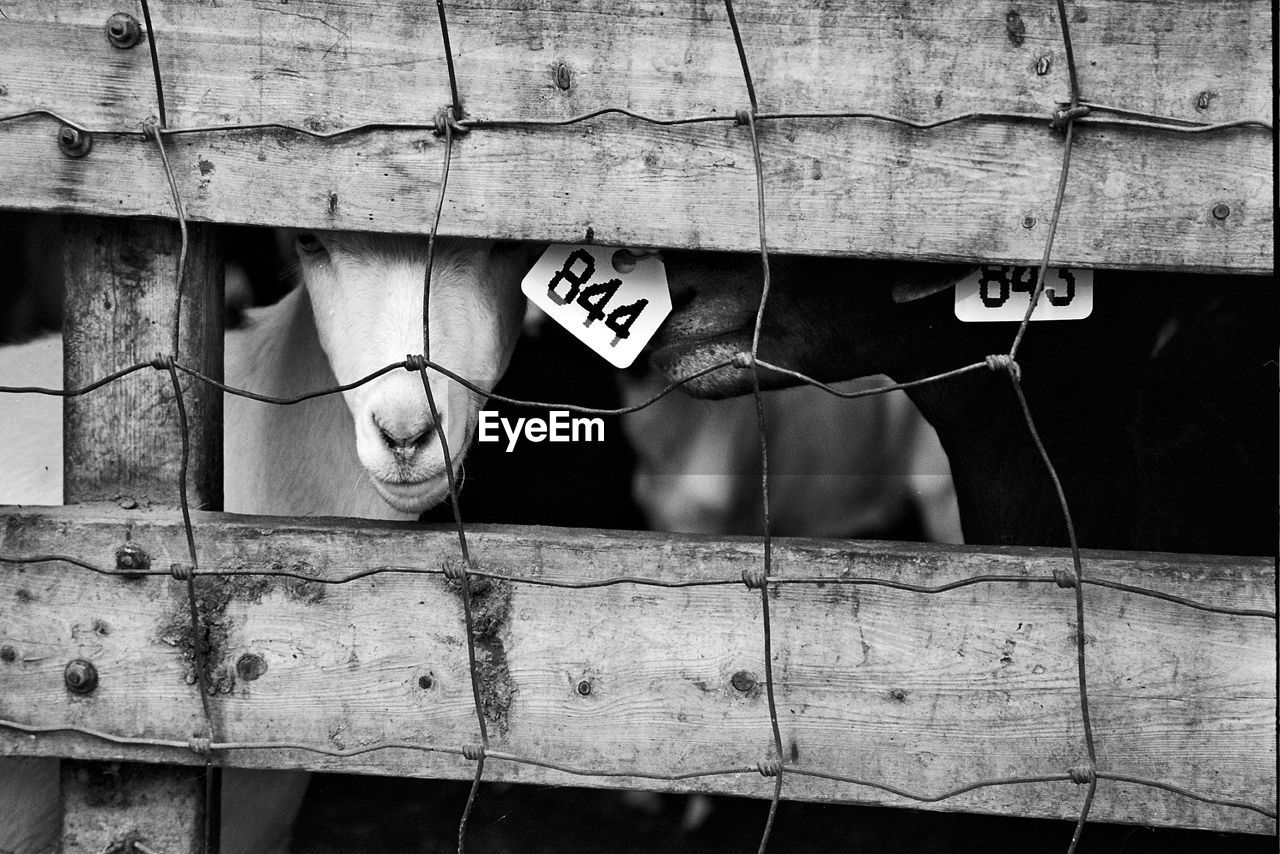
x=921, y=691
x=332, y=63
x=1137, y=198
x=970, y=187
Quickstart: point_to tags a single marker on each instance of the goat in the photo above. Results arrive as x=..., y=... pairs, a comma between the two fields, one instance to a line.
x=1158, y=410
x=360, y=308
x=354, y=284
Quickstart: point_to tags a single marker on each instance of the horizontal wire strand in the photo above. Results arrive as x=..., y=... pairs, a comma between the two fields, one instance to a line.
x=1169, y=124
x=635, y=773
x=641, y=581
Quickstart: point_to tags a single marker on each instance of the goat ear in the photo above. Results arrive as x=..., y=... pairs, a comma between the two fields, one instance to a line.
x=917, y=281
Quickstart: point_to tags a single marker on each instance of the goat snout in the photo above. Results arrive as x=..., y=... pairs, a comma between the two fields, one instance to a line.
x=404, y=434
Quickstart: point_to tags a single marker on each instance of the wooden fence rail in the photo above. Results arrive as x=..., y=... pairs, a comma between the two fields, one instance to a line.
x=922, y=691
x=979, y=189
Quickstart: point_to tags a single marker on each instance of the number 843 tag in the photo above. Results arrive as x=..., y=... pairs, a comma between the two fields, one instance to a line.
x=611, y=299
x=994, y=293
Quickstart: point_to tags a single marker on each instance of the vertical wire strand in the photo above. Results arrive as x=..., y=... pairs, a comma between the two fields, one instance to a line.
x=1081, y=668
x=180, y=211
x=1072, y=74
x=761, y=425
x=155, y=63
x=446, y=127
x=426, y=341
x=1074, y=79
x=202, y=680
x=1081, y=663
x=1084, y=816
x=448, y=59
x=1075, y=558
x=1048, y=244
x=764, y=452
x=742, y=54
x=471, y=800
x=453, y=486
x=197, y=640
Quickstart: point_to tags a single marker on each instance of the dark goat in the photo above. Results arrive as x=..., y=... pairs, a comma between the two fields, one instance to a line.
x=1158, y=410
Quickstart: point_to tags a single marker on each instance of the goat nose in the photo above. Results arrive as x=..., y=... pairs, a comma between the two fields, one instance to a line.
x=404, y=439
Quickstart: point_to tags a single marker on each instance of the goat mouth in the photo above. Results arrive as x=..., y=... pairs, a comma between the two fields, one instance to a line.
x=412, y=496
x=672, y=342
x=701, y=351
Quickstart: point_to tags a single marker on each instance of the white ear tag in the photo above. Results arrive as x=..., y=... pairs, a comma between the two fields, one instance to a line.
x=614, y=310
x=1003, y=293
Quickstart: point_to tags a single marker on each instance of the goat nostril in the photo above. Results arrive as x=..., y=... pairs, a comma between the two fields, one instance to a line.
x=416, y=442
x=404, y=444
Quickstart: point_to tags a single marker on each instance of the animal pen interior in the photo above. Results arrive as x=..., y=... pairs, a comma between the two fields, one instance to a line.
x=1108, y=135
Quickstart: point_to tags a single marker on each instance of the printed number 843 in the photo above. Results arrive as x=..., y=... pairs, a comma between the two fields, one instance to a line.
x=996, y=284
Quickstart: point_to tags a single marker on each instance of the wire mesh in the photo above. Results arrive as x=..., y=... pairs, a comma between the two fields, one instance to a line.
x=464, y=571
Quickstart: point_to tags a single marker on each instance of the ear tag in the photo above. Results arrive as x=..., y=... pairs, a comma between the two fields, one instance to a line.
x=995, y=293
x=611, y=299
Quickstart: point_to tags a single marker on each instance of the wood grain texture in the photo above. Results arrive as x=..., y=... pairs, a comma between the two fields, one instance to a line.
x=843, y=186
x=920, y=691
x=122, y=297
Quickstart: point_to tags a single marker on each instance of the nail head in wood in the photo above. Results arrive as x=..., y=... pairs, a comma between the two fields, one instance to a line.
x=80, y=676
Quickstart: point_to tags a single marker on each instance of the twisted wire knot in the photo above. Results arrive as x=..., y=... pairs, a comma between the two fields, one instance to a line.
x=743, y=359
x=1065, y=578
x=415, y=362
x=742, y=117
x=180, y=571
x=474, y=752
x=200, y=744
x=1063, y=115
x=455, y=570
x=769, y=767
x=1083, y=773
x=753, y=578
x=1004, y=362
x=161, y=362
x=447, y=119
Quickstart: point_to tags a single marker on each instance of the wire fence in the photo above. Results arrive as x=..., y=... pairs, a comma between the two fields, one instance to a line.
x=774, y=762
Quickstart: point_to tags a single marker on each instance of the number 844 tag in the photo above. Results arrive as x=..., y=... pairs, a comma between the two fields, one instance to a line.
x=994, y=293
x=611, y=299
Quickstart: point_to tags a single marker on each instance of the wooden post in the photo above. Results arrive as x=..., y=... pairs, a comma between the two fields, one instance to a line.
x=123, y=446
x=122, y=442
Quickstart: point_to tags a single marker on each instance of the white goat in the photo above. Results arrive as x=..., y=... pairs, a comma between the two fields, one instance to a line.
x=359, y=310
